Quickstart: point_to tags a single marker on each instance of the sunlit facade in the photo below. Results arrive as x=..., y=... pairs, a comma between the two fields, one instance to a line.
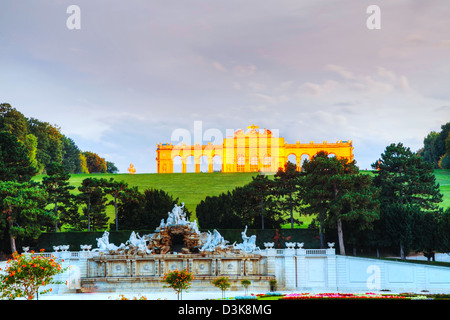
x=252, y=150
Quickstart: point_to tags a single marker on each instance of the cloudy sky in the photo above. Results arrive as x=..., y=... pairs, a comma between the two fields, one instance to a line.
x=138, y=70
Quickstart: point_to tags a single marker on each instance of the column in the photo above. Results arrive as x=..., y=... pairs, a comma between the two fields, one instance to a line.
x=197, y=164
x=331, y=269
x=271, y=261
x=183, y=165
x=289, y=268
x=210, y=164
x=301, y=268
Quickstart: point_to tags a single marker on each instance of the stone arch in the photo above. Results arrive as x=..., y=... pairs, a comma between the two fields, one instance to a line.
x=303, y=157
x=177, y=164
x=217, y=163
x=190, y=163
x=204, y=163
x=292, y=157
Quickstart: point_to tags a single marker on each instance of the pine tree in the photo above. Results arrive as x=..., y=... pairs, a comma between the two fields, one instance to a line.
x=24, y=210
x=286, y=190
x=407, y=187
x=56, y=183
x=335, y=190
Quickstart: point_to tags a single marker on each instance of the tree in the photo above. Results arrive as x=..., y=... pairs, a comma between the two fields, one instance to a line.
x=13, y=121
x=71, y=156
x=434, y=146
x=335, y=190
x=50, y=146
x=407, y=187
x=145, y=210
x=222, y=283
x=115, y=188
x=23, y=210
x=56, y=184
x=179, y=281
x=286, y=190
x=26, y=273
x=218, y=210
x=15, y=165
x=111, y=167
x=94, y=199
x=94, y=162
x=83, y=163
x=157, y=204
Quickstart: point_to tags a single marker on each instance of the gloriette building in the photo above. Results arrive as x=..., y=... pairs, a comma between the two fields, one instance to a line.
x=252, y=150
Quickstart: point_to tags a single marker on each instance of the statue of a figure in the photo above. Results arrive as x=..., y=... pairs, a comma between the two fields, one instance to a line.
x=214, y=241
x=249, y=243
x=104, y=245
x=138, y=242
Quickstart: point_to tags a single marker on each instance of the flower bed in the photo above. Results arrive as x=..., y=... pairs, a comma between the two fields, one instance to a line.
x=368, y=295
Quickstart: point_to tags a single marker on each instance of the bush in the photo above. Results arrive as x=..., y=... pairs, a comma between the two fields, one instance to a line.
x=26, y=273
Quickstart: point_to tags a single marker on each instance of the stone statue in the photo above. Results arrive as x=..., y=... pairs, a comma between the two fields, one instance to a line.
x=249, y=243
x=214, y=241
x=104, y=245
x=139, y=242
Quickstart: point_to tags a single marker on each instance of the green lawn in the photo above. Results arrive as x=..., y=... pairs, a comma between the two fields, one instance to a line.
x=191, y=188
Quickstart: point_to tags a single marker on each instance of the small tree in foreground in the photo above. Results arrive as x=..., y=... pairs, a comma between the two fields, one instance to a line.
x=222, y=283
x=246, y=283
x=178, y=280
x=26, y=273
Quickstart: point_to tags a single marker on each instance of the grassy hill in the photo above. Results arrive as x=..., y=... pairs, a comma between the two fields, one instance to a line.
x=191, y=188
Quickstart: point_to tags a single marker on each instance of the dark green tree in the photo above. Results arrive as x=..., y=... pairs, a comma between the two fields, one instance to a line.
x=335, y=190
x=13, y=121
x=111, y=167
x=94, y=200
x=58, y=188
x=286, y=191
x=115, y=188
x=24, y=210
x=15, y=164
x=145, y=210
x=218, y=210
x=71, y=155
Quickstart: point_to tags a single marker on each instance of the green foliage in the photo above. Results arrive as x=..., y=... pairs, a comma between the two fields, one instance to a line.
x=286, y=190
x=178, y=280
x=408, y=190
x=335, y=190
x=145, y=210
x=93, y=198
x=57, y=186
x=250, y=205
x=23, y=207
x=111, y=167
x=222, y=283
x=435, y=146
x=14, y=162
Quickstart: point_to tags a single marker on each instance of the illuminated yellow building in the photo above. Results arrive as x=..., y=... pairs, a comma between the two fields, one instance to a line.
x=247, y=151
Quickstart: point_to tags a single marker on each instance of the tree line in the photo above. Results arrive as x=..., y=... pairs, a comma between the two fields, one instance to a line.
x=395, y=208
x=44, y=144
x=436, y=148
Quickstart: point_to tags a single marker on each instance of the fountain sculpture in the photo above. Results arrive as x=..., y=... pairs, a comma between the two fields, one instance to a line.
x=176, y=243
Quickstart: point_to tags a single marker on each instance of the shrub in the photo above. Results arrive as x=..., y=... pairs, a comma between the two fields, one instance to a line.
x=26, y=273
x=222, y=283
x=178, y=280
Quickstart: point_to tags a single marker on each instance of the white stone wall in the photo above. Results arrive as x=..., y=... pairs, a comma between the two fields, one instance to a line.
x=312, y=270
x=300, y=270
